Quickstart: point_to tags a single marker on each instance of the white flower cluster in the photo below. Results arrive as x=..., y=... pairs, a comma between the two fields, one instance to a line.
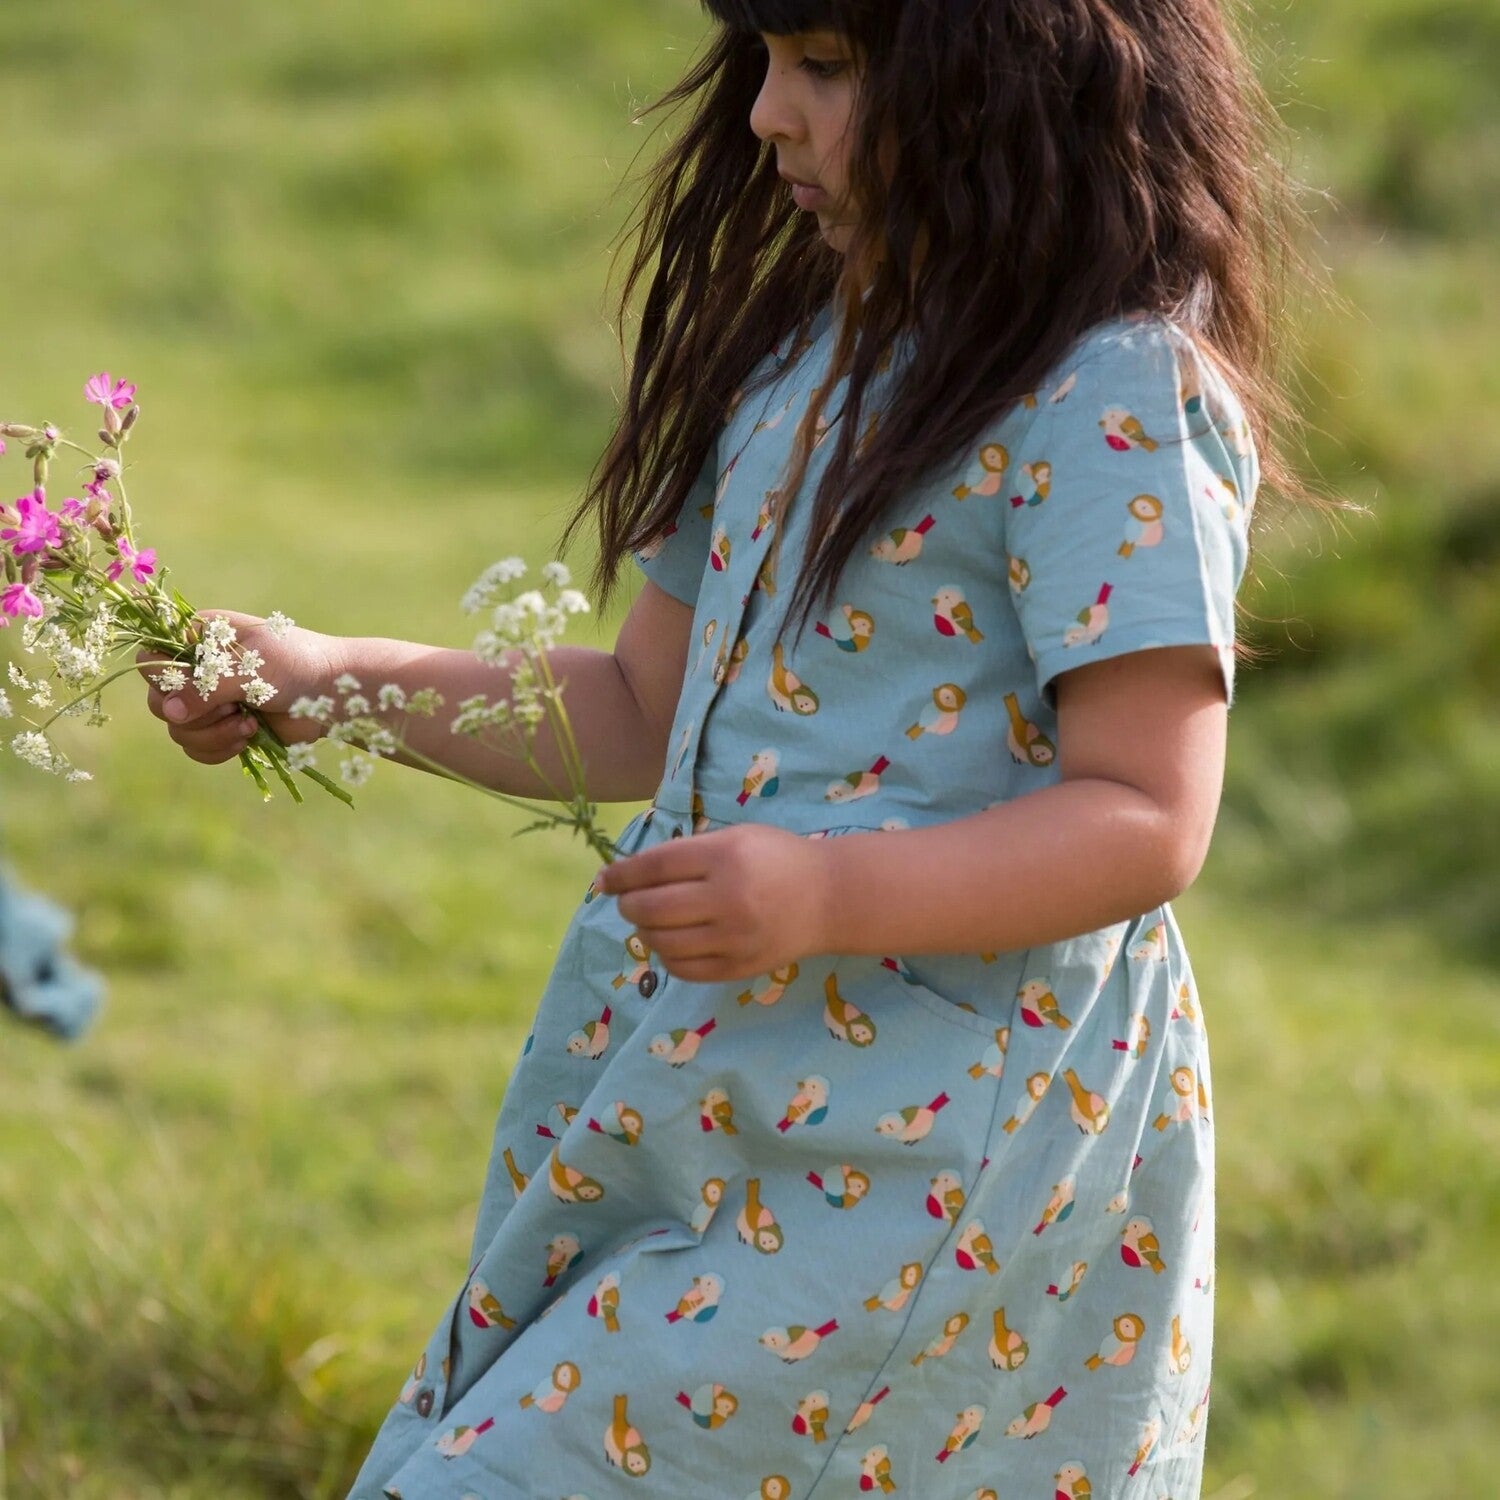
x=481, y=595
x=36, y=750
x=367, y=738
x=213, y=659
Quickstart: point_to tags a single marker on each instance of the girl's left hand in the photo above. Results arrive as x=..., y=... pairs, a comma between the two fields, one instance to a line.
x=730, y=904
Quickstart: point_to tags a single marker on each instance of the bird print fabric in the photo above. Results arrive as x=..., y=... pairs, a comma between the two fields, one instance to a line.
x=938, y=1224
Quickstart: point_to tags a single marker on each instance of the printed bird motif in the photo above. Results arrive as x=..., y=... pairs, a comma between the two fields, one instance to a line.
x=562, y=1251
x=893, y=1296
x=866, y=1409
x=946, y=1199
x=852, y=632
x=1017, y=573
x=1008, y=1349
x=720, y=549
x=1036, y=486
x=1150, y=1432
x=857, y=784
x=1039, y=1005
x=710, y=1406
x=773, y=1487
x=1185, y=1008
x=761, y=779
x=1064, y=390
x=1093, y=621
x=620, y=1123
x=409, y=1390
x=1059, y=1205
x=1036, y=1086
x=786, y=689
x=715, y=1112
x=1139, y=1246
x=842, y=1186
x=605, y=1302
x=681, y=1044
x=559, y=1117
x=1123, y=432
x=756, y=1224
x=554, y=1391
x=845, y=1021
x=592, y=1040
x=1037, y=1417
x=701, y=1300
x=993, y=460
x=1137, y=1036
x=484, y=1308
x=1152, y=947
x=568, y=1184
x=941, y=715
x=1190, y=1099
x=1075, y=1276
x=811, y=1416
x=710, y=1195
x=953, y=615
x=875, y=1470
x=1090, y=1111
x=458, y=1440
x=963, y=1433
x=1144, y=528
x=1120, y=1343
x=940, y=1346
x=1027, y=744
x=974, y=1250
x=518, y=1179
x=775, y=987
x=1072, y=1482
x=1179, y=1351
x=796, y=1341
x=992, y=1061
x=904, y=543
x=809, y=1105
x=913, y=1123
x=624, y=1447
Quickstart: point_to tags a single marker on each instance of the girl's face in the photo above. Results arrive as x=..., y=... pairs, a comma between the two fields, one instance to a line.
x=805, y=109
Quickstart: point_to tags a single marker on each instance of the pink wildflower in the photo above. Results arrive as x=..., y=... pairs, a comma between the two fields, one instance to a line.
x=107, y=392
x=2, y=447
x=19, y=600
x=141, y=564
x=72, y=509
x=38, y=529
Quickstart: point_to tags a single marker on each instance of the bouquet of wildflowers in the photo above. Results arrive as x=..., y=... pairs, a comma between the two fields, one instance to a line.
x=89, y=598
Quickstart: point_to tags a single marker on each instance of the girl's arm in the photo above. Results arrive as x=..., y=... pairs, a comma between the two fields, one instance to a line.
x=1141, y=742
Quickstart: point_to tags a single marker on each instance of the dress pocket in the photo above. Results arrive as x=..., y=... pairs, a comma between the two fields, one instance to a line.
x=979, y=1002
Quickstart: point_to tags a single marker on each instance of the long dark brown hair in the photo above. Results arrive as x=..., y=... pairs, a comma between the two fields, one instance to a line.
x=1057, y=163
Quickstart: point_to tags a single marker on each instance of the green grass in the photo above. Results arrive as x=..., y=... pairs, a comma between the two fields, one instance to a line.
x=355, y=258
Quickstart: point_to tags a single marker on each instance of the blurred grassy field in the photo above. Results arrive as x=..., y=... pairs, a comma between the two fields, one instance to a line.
x=354, y=258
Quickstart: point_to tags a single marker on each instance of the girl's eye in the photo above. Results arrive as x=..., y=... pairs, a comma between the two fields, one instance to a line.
x=820, y=68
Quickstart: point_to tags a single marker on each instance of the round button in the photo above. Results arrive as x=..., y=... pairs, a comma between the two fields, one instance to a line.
x=424, y=1402
x=677, y=831
x=646, y=984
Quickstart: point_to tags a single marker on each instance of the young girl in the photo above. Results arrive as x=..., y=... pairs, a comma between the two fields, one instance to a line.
x=863, y=1140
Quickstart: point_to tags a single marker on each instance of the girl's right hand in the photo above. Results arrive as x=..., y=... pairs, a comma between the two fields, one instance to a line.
x=301, y=663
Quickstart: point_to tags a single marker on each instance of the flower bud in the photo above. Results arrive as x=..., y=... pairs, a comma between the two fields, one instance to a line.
x=102, y=526
x=28, y=569
x=19, y=430
x=107, y=438
x=130, y=417
x=10, y=568
x=111, y=418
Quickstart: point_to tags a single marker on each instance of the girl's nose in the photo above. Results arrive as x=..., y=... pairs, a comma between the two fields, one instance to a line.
x=773, y=116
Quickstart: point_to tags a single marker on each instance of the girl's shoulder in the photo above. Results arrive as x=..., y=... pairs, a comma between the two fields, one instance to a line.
x=1147, y=353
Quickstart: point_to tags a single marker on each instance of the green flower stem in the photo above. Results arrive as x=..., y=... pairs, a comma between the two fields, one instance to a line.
x=579, y=821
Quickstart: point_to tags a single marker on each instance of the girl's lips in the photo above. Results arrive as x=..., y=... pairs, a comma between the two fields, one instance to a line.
x=808, y=197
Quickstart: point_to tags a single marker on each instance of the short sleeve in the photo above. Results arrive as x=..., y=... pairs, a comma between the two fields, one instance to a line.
x=1127, y=504
x=677, y=559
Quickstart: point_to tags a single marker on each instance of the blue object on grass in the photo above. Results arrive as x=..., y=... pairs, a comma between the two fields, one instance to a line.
x=39, y=981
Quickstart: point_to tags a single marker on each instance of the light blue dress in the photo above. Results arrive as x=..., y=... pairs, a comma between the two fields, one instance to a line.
x=938, y=1225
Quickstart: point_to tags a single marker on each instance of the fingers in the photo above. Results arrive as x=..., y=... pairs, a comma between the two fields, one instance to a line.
x=219, y=735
